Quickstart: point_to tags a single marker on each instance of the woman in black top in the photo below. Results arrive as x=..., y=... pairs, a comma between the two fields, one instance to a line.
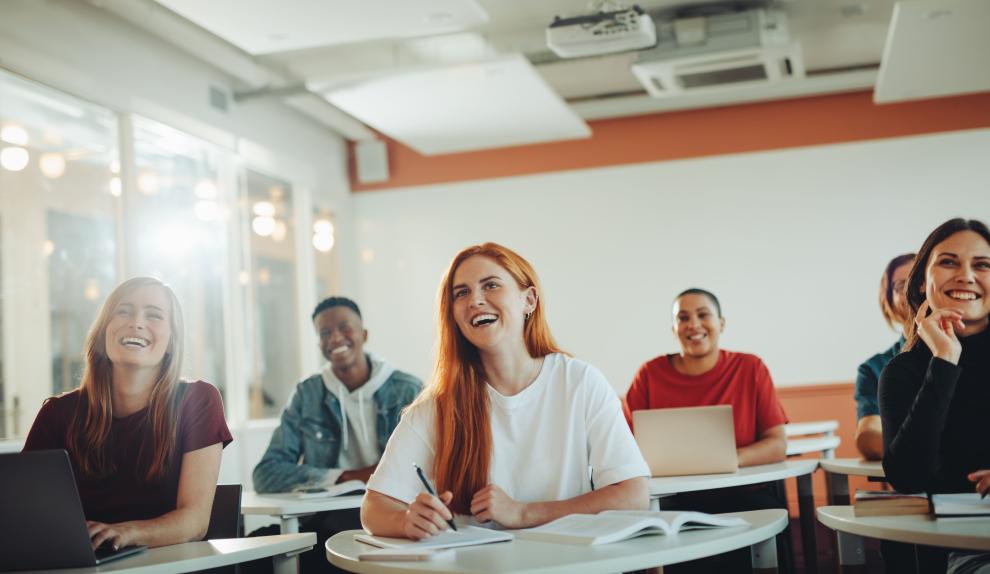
x=935, y=395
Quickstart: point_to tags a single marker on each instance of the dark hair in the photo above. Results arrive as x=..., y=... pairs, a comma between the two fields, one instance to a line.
x=916, y=280
x=331, y=302
x=709, y=294
x=887, y=288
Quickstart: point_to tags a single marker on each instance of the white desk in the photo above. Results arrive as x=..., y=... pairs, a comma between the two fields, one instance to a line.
x=837, y=471
x=801, y=470
x=288, y=508
x=912, y=529
x=193, y=556
x=532, y=557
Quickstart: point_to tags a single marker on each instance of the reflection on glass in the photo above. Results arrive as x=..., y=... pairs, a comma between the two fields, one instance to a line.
x=275, y=368
x=324, y=253
x=58, y=254
x=177, y=232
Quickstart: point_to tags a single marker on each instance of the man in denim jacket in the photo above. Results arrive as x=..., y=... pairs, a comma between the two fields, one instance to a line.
x=337, y=422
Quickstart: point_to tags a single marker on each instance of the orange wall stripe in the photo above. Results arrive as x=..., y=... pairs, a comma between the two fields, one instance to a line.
x=695, y=133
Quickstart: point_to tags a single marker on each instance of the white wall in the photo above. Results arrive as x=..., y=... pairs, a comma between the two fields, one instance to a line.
x=793, y=242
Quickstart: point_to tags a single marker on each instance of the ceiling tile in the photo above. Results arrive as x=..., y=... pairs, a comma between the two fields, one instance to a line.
x=935, y=48
x=503, y=102
x=264, y=26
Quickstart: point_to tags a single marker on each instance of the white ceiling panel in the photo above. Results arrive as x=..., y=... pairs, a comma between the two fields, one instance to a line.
x=266, y=26
x=935, y=48
x=503, y=102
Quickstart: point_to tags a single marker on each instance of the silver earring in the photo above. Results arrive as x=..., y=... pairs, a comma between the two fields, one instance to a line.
x=528, y=315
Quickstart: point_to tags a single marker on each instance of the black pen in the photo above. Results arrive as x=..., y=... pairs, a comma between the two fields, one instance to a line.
x=430, y=489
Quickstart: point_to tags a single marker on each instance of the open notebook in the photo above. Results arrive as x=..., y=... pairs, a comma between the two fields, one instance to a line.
x=960, y=505
x=464, y=536
x=616, y=525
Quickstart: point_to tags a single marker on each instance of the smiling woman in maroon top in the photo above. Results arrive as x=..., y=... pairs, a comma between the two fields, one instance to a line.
x=145, y=447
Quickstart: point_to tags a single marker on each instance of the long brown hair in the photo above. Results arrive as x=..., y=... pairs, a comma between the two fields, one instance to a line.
x=89, y=429
x=890, y=314
x=916, y=279
x=463, y=429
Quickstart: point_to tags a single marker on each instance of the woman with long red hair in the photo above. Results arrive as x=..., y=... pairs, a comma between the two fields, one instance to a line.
x=510, y=426
x=145, y=447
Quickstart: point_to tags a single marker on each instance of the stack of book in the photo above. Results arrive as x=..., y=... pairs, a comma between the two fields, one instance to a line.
x=888, y=503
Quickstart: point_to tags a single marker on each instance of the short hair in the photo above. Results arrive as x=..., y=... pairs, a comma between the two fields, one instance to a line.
x=331, y=302
x=709, y=294
x=887, y=288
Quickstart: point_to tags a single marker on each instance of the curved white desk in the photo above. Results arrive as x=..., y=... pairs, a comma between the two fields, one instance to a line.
x=532, y=557
x=853, y=467
x=288, y=508
x=912, y=529
x=801, y=470
x=664, y=485
x=837, y=471
x=195, y=556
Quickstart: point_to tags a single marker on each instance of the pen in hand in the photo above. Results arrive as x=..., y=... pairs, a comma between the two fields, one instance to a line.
x=430, y=490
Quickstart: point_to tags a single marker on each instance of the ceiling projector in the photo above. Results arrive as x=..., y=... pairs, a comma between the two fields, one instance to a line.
x=601, y=33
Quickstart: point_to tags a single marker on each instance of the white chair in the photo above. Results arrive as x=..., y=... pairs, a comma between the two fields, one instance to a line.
x=820, y=435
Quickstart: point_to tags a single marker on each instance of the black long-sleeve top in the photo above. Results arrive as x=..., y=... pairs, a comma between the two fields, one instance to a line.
x=936, y=417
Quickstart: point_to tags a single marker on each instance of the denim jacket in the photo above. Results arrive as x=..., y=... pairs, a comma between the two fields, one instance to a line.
x=307, y=440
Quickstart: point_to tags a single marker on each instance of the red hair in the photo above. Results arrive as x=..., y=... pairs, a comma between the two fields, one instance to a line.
x=463, y=427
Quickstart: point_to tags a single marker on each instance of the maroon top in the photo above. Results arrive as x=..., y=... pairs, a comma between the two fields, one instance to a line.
x=125, y=494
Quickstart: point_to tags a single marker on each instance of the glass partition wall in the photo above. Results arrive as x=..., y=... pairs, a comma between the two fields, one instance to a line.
x=89, y=197
x=59, y=201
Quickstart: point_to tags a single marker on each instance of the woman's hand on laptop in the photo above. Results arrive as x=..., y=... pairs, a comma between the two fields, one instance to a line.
x=492, y=503
x=117, y=535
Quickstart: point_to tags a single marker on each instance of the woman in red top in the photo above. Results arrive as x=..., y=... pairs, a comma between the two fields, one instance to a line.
x=702, y=375
x=145, y=447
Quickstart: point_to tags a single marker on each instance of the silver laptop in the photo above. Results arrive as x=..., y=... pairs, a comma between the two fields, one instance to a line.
x=694, y=440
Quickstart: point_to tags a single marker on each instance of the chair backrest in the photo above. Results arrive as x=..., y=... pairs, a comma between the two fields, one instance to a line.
x=825, y=442
x=225, y=517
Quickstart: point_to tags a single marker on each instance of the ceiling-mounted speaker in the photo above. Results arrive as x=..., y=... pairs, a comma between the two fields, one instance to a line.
x=371, y=159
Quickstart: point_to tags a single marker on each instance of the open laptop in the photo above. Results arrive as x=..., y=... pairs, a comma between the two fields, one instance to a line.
x=42, y=524
x=684, y=441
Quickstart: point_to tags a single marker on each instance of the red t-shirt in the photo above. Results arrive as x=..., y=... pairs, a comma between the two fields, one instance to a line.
x=738, y=379
x=125, y=495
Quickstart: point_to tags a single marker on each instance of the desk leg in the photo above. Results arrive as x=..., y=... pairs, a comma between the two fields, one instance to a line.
x=852, y=558
x=290, y=524
x=286, y=564
x=764, y=555
x=838, y=489
x=806, y=511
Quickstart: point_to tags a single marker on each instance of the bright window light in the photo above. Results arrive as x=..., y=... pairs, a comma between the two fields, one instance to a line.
x=323, y=242
x=52, y=165
x=263, y=225
x=264, y=209
x=14, y=158
x=14, y=134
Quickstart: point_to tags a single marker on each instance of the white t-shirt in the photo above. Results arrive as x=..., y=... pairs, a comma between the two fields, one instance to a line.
x=544, y=439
